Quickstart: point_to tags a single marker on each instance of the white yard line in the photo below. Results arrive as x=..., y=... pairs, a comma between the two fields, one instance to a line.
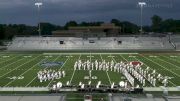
x=114, y=59
x=170, y=58
x=168, y=62
x=162, y=66
x=31, y=81
x=124, y=58
x=11, y=63
x=19, y=66
x=107, y=72
x=74, y=71
x=25, y=71
x=90, y=57
x=36, y=75
x=152, y=69
x=9, y=59
x=59, y=69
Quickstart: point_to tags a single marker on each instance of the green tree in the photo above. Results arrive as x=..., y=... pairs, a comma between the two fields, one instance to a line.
x=90, y=23
x=70, y=24
x=116, y=22
x=156, y=23
x=2, y=34
x=129, y=27
x=47, y=28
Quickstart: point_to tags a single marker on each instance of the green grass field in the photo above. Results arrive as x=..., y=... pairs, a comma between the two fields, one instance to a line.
x=18, y=65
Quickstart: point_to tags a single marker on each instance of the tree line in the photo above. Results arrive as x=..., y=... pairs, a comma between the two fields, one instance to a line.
x=158, y=25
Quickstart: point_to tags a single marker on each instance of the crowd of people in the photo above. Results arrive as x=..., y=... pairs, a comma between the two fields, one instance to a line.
x=46, y=75
x=128, y=69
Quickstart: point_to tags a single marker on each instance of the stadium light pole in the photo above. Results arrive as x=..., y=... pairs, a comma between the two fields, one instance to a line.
x=141, y=4
x=38, y=4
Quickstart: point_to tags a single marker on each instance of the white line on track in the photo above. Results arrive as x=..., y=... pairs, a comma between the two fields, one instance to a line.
x=36, y=75
x=19, y=66
x=25, y=71
x=59, y=69
x=74, y=71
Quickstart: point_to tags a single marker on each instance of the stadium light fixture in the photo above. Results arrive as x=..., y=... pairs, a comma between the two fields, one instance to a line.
x=141, y=4
x=38, y=4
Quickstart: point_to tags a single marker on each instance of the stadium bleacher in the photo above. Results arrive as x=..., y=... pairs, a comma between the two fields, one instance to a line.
x=104, y=43
x=176, y=40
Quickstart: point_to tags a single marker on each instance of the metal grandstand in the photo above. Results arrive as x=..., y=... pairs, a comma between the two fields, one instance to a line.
x=131, y=42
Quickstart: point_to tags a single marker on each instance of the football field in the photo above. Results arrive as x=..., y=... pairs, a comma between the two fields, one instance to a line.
x=20, y=69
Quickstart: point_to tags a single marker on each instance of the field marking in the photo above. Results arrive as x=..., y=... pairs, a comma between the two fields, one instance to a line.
x=156, y=72
x=90, y=56
x=96, y=53
x=44, y=68
x=1, y=57
x=168, y=62
x=171, y=58
x=59, y=69
x=129, y=61
x=74, y=71
x=9, y=59
x=20, y=66
x=94, y=98
x=161, y=66
x=11, y=63
x=169, y=80
x=25, y=72
x=106, y=72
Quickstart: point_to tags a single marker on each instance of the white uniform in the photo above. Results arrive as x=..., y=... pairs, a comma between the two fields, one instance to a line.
x=159, y=77
x=154, y=82
x=165, y=82
x=144, y=81
x=92, y=66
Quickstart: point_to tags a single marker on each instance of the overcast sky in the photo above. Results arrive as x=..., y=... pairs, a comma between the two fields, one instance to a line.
x=61, y=11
